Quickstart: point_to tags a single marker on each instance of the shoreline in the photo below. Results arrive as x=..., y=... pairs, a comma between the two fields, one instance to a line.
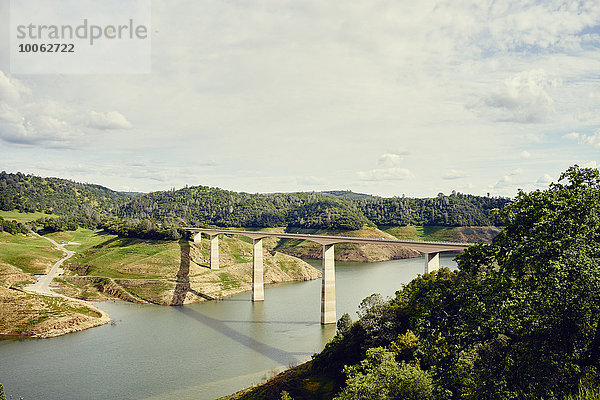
x=41, y=287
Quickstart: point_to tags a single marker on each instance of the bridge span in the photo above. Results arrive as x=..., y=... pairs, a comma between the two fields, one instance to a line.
x=431, y=250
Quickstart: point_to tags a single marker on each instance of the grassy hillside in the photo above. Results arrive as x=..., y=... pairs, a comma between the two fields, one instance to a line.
x=300, y=380
x=167, y=272
x=30, y=254
x=135, y=270
x=24, y=314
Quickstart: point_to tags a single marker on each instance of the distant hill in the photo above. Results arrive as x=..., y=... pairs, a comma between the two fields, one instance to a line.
x=90, y=205
x=348, y=194
x=30, y=193
x=82, y=204
x=205, y=205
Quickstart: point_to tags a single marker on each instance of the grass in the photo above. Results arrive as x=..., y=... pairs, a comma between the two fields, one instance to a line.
x=241, y=258
x=29, y=324
x=28, y=253
x=113, y=257
x=60, y=307
x=152, y=291
x=229, y=281
x=86, y=238
x=15, y=215
x=282, y=266
x=23, y=312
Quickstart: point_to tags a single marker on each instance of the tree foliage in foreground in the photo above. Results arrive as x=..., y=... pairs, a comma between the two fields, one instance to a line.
x=520, y=319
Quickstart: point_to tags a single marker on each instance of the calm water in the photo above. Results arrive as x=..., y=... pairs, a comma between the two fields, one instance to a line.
x=200, y=351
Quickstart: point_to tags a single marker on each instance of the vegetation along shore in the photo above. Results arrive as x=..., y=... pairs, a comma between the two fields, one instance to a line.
x=519, y=319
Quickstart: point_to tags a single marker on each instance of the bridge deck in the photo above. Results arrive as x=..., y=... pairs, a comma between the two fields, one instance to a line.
x=421, y=246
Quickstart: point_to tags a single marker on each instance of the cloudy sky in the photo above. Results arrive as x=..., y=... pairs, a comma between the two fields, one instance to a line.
x=382, y=97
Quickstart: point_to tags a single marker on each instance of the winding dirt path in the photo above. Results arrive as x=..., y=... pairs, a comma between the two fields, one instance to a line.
x=42, y=284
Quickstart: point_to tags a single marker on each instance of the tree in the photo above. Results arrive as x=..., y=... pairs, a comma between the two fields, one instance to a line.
x=380, y=377
x=2, y=395
x=344, y=323
x=540, y=289
x=286, y=396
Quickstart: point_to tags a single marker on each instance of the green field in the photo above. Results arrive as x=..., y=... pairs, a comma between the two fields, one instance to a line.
x=86, y=238
x=28, y=253
x=15, y=215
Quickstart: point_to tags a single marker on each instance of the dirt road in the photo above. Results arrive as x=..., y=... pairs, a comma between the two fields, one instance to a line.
x=42, y=284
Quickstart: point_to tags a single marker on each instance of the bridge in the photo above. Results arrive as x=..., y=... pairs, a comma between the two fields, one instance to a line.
x=431, y=250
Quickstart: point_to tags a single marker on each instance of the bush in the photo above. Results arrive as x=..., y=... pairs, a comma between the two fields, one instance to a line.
x=381, y=377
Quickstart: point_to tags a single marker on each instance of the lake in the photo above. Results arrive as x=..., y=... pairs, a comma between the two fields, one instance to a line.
x=198, y=351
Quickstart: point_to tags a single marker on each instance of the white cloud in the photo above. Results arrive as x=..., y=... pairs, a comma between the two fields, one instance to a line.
x=588, y=116
x=287, y=90
x=389, y=160
x=590, y=164
x=571, y=135
x=523, y=98
x=108, y=120
x=390, y=169
x=29, y=119
x=517, y=171
x=525, y=154
x=544, y=179
x=592, y=140
x=454, y=174
x=505, y=181
x=385, y=174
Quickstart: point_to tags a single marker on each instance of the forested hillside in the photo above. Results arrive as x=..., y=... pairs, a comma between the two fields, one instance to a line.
x=30, y=193
x=204, y=205
x=78, y=204
x=456, y=209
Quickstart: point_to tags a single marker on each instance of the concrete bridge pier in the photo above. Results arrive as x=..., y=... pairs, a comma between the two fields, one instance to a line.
x=197, y=238
x=258, y=287
x=328, y=286
x=432, y=262
x=214, y=251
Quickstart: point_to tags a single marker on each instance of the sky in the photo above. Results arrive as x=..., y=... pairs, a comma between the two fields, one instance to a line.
x=379, y=97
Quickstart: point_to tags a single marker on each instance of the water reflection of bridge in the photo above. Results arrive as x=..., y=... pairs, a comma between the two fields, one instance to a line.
x=431, y=250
